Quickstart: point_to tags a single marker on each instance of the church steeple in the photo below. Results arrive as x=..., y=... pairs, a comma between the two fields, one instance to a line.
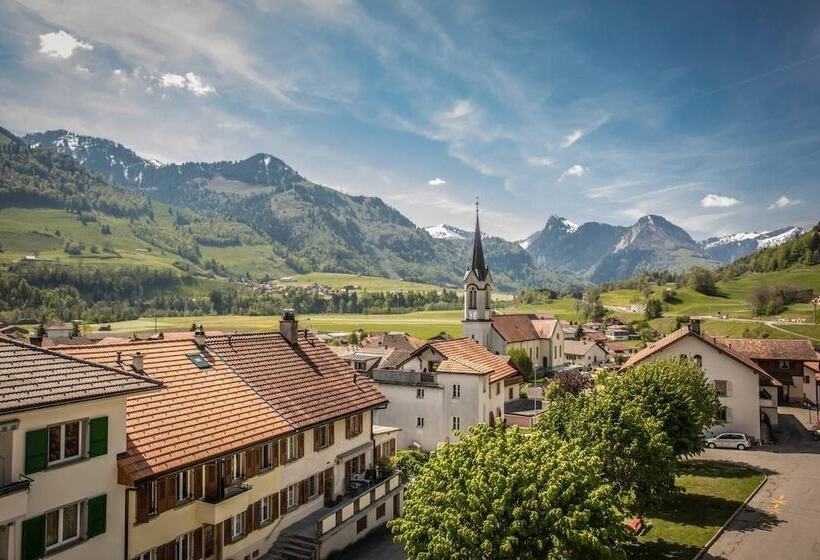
x=478, y=265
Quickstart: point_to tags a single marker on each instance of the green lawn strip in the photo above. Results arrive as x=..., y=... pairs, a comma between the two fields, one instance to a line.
x=713, y=491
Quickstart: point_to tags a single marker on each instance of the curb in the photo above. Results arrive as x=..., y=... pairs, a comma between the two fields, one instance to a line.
x=740, y=508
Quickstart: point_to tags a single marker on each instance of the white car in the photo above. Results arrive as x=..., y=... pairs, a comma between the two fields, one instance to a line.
x=730, y=440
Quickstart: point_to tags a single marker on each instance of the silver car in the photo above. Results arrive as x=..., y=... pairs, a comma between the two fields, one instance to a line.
x=730, y=440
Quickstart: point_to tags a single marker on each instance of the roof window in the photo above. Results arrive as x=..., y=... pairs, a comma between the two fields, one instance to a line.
x=199, y=361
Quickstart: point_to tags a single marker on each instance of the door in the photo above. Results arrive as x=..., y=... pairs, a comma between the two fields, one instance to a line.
x=329, y=487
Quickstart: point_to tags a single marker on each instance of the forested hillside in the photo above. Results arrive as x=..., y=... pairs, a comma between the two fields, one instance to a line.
x=804, y=250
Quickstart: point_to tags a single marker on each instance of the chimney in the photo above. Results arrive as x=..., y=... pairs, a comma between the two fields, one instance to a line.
x=199, y=337
x=35, y=340
x=694, y=326
x=137, y=362
x=289, y=326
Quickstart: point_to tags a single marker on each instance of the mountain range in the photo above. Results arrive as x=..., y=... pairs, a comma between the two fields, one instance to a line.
x=317, y=228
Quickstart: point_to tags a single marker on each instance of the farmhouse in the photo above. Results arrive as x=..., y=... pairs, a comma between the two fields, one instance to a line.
x=586, y=353
x=748, y=394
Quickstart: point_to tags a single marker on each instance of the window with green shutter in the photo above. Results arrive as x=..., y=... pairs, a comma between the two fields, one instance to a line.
x=34, y=538
x=36, y=450
x=98, y=438
x=96, y=516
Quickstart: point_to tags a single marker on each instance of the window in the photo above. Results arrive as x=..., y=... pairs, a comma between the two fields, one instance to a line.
x=419, y=393
x=323, y=435
x=62, y=526
x=199, y=361
x=152, y=498
x=456, y=391
x=456, y=423
x=293, y=447
x=266, y=509
x=313, y=486
x=185, y=485
x=698, y=360
x=65, y=442
x=784, y=364
x=361, y=524
x=355, y=424
x=147, y=555
x=291, y=496
x=498, y=388
x=237, y=525
x=511, y=393
x=238, y=464
x=419, y=422
x=380, y=511
x=723, y=414
x=721, y=387
x=185, y=547
x=432, y=366
x=266, y=456
x=806, y=379
x=471, y=297
x=360, y=366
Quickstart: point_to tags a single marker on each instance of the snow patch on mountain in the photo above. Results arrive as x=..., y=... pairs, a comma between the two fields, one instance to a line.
x=443, y=231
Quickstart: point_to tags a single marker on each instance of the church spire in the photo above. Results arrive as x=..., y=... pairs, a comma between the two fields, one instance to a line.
x=477, y=264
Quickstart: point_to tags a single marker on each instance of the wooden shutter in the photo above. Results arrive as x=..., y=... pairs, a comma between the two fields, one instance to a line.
x=320, y=483
x=98, y=436
x=248, y=525
x=274, y=454
x=252, y=462
x=198, y=482
x=330, y=435
x=274, y=508
x=36, y=450
x=378, y=452
x=283, y=501
x=162, y=495
x=171, y=482
x=348, y=429
x=198, y=544
x=143, y=493
x=211, y=480
x=301, y=445
x=96, y=516
x=161, y=553
x=392, y=447
x=283, y=451
x=226, y=531
x=34, y=538
x=348, y=471
x=257, y=514
x=316, y=439
x=302, y=492
x=229, y=474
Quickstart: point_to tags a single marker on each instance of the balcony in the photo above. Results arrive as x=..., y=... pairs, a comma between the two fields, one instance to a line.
x=329, y=518
x=13, y=500
x=217, y=508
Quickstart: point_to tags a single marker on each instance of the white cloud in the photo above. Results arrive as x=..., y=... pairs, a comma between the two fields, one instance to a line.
x=539, y=161
x=81, y=69
x=572, y=138
x=461, y=108
x=437, y=182
x=718, y=201
x=574, y=171
x=61, y=44
x=189, y=81
x=783, y=202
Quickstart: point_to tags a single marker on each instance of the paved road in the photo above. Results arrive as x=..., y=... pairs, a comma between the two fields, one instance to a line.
x=782, y=522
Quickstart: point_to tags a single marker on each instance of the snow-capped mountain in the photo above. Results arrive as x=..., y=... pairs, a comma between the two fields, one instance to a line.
x=730, y=247
x=444, y=231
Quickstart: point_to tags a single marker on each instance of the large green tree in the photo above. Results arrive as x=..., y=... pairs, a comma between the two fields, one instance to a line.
x=509, y=494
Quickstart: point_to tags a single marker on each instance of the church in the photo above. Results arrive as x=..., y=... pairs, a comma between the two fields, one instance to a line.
x=538, y=334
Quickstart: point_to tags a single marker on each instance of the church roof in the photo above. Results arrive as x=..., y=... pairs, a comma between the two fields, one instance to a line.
x=477, y=265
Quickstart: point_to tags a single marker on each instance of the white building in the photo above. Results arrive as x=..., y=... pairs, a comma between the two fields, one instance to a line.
x=62, y=425
x=747, y=393
x=443, y=388
x=586, y=353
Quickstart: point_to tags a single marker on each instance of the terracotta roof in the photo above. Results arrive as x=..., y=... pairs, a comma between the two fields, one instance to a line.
x=594, y=335
x=545, y=327
x=618, y=346
x=683, y=332
x=34, y=377
x=515, y=328
x=202, y=413
x=579, y=347
x=771, y=348
x=465, y=355
x=306, y=382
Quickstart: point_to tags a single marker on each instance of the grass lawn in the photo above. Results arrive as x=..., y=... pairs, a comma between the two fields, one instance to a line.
x=713, y=491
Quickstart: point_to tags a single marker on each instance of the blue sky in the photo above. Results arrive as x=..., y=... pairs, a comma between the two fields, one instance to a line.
x=705, y=112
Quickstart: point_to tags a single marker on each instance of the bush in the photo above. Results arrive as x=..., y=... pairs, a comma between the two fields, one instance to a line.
x=702, y=280
x=521, y=360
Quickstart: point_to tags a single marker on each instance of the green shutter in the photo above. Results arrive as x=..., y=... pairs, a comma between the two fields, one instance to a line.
x=96, y=516
x=36, y=450
x=98, y=440
x=34, y=538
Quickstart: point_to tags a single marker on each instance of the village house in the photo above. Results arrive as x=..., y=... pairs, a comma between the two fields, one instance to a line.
x=782, y=359
x=443, y=388
x=586, y=353
x=747, y=393
x=539, y=335
x=259, y=442
x=62, y=426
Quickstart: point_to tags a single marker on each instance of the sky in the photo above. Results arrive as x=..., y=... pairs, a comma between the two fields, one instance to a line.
x=705, y=112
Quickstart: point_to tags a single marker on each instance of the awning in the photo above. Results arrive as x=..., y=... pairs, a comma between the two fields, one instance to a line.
x=352, y=453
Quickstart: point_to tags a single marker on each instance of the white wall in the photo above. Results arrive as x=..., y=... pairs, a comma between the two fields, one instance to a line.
x=810, y=388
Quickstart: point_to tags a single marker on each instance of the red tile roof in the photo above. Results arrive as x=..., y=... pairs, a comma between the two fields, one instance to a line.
x=34, y=377
x=771, y=348
x=526, y=326
x=594, y=335
x=465, y=355
x=201, y=413
x=683, y=332
x=305, y=383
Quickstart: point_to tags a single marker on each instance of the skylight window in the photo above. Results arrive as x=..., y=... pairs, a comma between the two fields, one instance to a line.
x=199, y=361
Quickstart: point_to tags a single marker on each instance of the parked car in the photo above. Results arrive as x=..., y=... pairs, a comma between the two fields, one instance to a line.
x=730, y=440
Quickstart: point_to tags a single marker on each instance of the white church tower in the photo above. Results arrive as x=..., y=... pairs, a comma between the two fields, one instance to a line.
x=477, y=293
